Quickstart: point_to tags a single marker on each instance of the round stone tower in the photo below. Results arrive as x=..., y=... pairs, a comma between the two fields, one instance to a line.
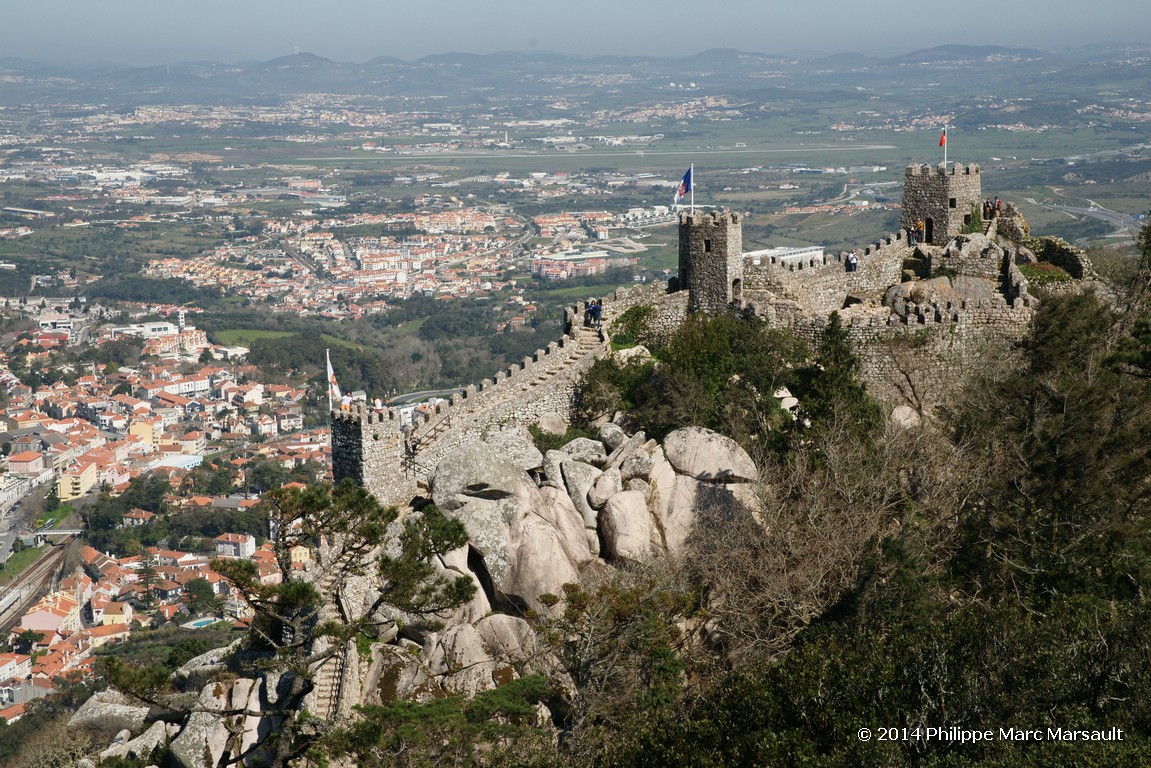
x=944, y=198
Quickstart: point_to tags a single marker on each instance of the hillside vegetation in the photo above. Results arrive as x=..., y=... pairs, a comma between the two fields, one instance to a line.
x=985, y=571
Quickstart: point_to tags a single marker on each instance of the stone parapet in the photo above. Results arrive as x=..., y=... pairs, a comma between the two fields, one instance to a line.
x=823, y=285
x=367, y=445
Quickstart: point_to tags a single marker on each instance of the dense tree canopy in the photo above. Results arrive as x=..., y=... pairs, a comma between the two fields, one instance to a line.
x=717, y=372
x=989, y=571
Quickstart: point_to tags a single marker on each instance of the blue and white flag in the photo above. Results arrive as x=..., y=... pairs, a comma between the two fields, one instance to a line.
x=684, y=187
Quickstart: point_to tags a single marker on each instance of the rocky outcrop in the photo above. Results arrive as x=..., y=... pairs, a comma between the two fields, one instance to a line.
x=596, y=504
x=528, y=546
x=552, y=424
x=606, y=485
x=612, y=436
x=559, y=511
x=585, y=450
x=627, y=527
x=490, y=496
x=141, y=748
x=460, y=660
x=940, y=291
x=508, y=639
x=204, y=737
x=540, y=567
x=110, y=710
x=706, y=455
x=643, y=503
x=515, y=445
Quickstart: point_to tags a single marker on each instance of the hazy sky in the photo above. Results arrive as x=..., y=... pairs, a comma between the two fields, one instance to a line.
x=165, y=31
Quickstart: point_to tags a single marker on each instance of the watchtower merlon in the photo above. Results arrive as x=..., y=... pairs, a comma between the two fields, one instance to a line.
x=711, y=260
x=944, y=198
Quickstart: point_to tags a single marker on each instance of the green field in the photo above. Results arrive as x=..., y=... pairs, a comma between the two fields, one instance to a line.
x=572, y=293
x=336, y=341
x=245, y=336
x=19, y=561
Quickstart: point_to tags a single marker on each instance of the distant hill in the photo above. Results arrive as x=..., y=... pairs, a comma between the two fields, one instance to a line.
x=954, y=53
x=463, y=78
x=298, y=60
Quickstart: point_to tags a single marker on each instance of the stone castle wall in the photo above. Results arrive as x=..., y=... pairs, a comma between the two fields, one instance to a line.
x=667, y=309
x=937, y=344
x=367, y=446
x=822, y=285
x=941, y=196
x=965, y=261
x=1063, y=255
x=948, y=340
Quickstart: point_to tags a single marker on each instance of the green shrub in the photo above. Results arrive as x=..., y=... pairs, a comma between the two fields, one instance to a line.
x=629, y=327
x=975, y=226
x=546, y=441
x=715, y=372
x=1043, y=273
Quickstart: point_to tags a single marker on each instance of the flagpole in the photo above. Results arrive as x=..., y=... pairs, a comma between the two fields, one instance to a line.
x=945, y=146
x=331, y=417
x=691, y=170
x=328, y=376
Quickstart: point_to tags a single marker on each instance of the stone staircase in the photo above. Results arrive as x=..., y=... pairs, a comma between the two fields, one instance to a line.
x=327, y=691
x=410, y=464
x=587, y=341
x=329, y=676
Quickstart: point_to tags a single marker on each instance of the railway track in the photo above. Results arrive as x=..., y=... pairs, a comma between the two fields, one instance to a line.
x=35, y=582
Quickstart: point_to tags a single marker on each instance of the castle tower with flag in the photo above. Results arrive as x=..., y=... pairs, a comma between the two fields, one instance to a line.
x=945, y=198
x=711, y=260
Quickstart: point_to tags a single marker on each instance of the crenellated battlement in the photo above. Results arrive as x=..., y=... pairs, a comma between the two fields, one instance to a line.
x=951, y=169
x=821, y=285
x=797, y=291
x=944, y=197
x=835, y=261
x=710, y=219
x=368, y=444
x=361, y=412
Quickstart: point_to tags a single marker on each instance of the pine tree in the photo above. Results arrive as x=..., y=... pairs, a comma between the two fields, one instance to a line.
x=287, y=635
x=832, y=393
